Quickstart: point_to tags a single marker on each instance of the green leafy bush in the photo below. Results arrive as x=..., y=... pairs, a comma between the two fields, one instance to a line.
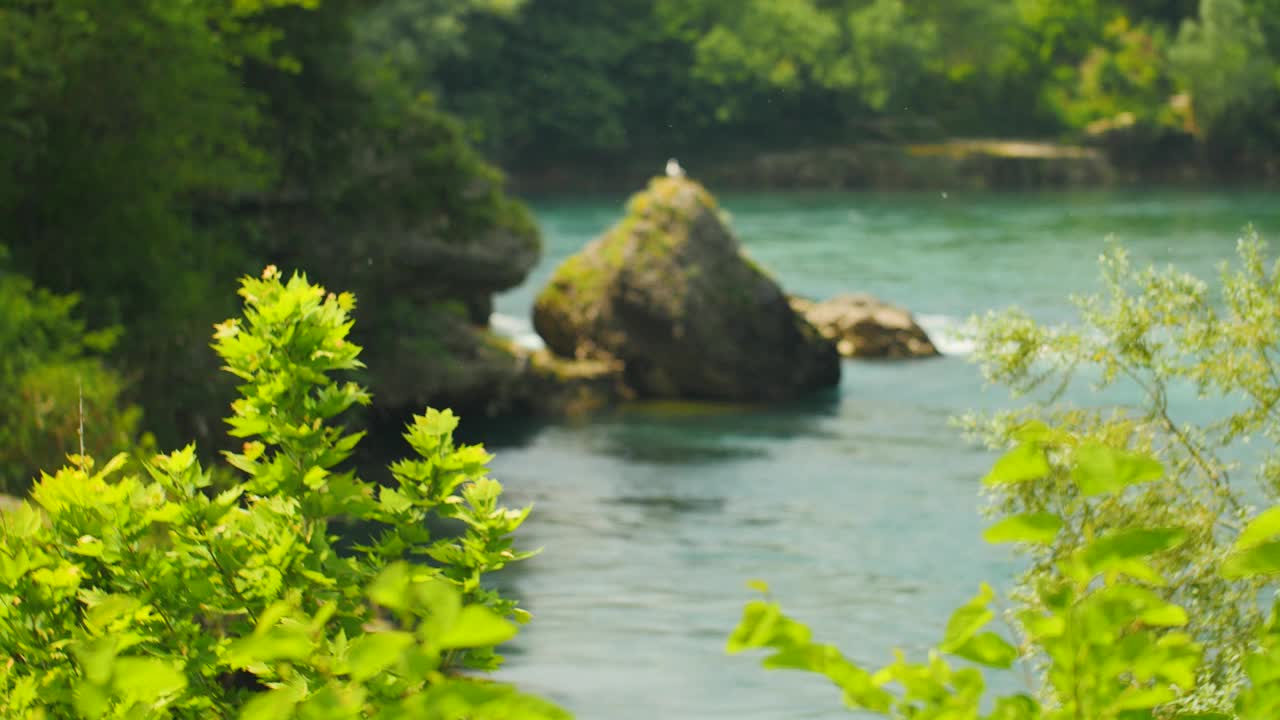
x=1158, y=335
x=55, y=391
x=1136, y=528
x=1099, y=628
x=156, y=596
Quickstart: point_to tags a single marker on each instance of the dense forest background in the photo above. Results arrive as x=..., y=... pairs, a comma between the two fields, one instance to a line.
x=153, y=151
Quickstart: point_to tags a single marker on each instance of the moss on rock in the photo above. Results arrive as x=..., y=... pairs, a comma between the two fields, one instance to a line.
x=668, y=293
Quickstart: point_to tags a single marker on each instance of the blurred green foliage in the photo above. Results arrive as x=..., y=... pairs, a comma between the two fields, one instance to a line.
x=1148, y=569
x=559, y=80
x=151, y=152
x=55, y=390
x=1098, y=632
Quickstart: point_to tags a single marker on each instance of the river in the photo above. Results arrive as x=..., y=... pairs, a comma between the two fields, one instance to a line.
x=858, y=506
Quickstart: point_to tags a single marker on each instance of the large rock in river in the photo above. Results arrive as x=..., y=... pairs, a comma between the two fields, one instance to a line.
x=862, y=326
x=668, y=292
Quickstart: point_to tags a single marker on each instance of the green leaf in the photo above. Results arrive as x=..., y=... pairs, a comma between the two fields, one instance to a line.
x=1024, y=462
x=968, y=619
x=1167, y=615
x=314, y=478
x=1260, y=529
x=370, y=654
x=393, y=501
x=1143, y=699
x=246, y=426
x=1112, y=551
x=1015, y=707
x=987, y=649
x=166, y=513
x=91, y=701
x=1256, y=561
x=476, y=626
x=391, y=588
x=756, y=628
x=1039, y=528
x=813, y=658
x=22, y=521
x=276, y=704
x=87, y=546
x=279, y=643
x=62, y=576
x=147, y=680
x=96, y=659
x=1032, y=431
x=1100, y=470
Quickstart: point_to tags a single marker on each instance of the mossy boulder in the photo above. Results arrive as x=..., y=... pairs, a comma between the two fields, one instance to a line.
x=862, y=326
x=668, y=293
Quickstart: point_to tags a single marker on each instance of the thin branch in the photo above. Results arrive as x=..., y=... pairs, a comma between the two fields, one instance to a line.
x=80, y=390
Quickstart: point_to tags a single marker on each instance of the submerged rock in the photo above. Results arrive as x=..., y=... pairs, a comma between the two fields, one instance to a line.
x=668, y=293
x=862, y=326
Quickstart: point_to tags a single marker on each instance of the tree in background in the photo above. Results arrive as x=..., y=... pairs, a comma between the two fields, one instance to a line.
x=1229, y=62
x=117, y=121
x=150, y=152
x=1122, y=82
x=555, y=81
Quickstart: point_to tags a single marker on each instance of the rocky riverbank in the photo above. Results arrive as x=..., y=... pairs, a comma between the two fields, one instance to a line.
x=953, y=165
x=664, y=305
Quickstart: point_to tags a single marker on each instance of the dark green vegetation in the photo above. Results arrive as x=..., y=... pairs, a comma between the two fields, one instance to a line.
x=55, y=391
x=565, y=84
x=151, y=153
x=180, y=593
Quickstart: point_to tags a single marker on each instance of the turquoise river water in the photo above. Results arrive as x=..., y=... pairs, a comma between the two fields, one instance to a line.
x=859, y=507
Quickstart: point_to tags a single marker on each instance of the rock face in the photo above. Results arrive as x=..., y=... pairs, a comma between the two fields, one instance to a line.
x=668, y=293
x=553, y=386
x=863, y=327
x=424, y=279
x=446, y=361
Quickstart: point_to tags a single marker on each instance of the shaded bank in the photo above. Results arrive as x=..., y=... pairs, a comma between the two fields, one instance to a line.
x=952, y=165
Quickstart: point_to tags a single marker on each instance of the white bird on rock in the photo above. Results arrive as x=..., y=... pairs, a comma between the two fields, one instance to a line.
x=673, y=169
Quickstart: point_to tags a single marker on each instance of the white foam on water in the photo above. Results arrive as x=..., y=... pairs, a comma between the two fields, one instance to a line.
x=518, y=330
x=944, y=331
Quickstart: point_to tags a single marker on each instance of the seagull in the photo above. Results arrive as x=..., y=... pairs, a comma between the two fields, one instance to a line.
x=674, y=170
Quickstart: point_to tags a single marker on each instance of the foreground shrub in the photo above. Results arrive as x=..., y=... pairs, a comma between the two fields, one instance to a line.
x=1139, y=534
x=1108, y=644
x=1165, y=344
x=153, y=596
